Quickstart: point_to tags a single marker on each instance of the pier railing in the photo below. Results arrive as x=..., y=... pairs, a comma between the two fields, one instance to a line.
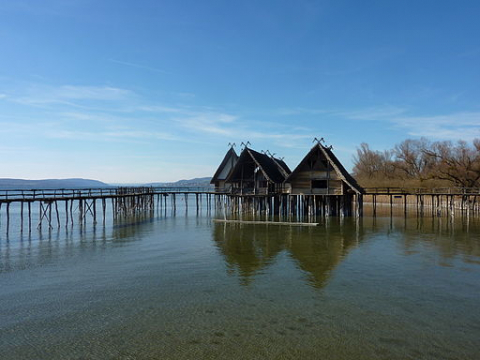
x=59, y=194
x=80, y=203
x=421, y=191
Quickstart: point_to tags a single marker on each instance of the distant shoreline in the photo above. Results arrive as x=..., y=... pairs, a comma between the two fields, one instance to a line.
x=79, y=183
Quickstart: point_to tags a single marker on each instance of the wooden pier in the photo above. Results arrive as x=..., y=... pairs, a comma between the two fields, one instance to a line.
x=435, y=202
x=68, y=206
x=80, y=204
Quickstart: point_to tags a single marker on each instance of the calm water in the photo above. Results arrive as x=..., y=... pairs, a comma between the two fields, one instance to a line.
x=183, y=287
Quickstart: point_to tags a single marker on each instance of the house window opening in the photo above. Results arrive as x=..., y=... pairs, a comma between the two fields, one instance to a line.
x=319, y=184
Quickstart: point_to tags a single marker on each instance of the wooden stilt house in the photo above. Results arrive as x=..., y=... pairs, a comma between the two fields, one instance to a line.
x=257, y=174
x=321, y=173
x=224, y=170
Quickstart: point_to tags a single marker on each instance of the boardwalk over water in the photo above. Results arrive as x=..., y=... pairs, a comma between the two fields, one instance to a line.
x=81, y=204
x=92, y=202
x=437, y=200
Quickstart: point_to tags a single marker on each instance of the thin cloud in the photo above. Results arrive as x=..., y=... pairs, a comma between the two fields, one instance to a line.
x=93, y=92
x=68, y=94
x=139, y=66
x=160, y=109
x=215, y=123
x=300, y=111
x=463, y=125
x=373, y=113
x=141, y=135
x=185, y=95
x=112, y=135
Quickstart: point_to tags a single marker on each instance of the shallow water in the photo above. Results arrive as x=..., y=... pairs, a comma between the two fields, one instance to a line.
x=165, y=286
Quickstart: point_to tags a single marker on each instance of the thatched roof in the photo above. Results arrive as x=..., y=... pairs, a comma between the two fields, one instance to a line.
x=342, y=173
x=231, y=154
x=274, y=170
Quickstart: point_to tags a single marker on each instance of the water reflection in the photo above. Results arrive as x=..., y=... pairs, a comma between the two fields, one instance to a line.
x=319, y=250
x=451, y=238
x=125, y=228
x=250, y=249
x=49, y=245
x=42, y=248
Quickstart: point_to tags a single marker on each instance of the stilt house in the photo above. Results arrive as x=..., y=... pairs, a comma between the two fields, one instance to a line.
x=257, y=174
x=321, y=173
x=224, y=170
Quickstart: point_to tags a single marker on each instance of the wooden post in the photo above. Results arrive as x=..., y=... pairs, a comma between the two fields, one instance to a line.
x=104, y=206
x=29, y=217
x=391, y=205
x=50, y=215
x=66, y=212
x=114, y=208
x=80, y=209
x=433, y=205
x=56, y=211
x=40, y=214
x=21, y=215
x=94, y=210
x=8, y=216
x=71, y=211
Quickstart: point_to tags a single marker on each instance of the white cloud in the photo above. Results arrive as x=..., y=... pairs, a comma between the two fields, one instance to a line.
x=463, y=125
x=216, y=123
x=300, y=111
x=372, y=113
x=135, y=134
x=92, y=92
x=126, y=135
x=70, y=95
x=139, y=66
x=454, y=126
x=160, y=109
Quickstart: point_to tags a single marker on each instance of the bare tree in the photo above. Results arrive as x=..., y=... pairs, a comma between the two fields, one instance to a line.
x=459, y=164
x=372, y=164
x=411, y=160
x=415, y=160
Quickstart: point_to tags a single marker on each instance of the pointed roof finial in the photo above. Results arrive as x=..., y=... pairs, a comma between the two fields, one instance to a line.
x=245, y=145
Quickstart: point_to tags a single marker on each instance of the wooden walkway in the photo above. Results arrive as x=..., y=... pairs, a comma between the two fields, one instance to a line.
x=124, y=200
x=83, y=203
x=437, y=200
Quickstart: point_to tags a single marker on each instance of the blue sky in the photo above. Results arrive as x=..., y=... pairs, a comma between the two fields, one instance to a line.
x=140, y=91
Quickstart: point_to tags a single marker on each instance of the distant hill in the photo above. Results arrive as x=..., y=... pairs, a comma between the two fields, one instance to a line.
x=197, y=182
x=20, y=184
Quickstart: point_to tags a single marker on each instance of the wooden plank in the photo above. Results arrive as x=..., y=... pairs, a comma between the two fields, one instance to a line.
x=265, y=222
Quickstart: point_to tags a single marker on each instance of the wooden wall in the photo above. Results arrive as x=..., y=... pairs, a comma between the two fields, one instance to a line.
x=302, y=183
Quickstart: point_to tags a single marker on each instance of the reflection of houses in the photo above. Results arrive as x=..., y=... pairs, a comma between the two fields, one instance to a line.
x=257, y=174
x=224, y=170
x=321, y=173
x=249, y=250
x=320, y=252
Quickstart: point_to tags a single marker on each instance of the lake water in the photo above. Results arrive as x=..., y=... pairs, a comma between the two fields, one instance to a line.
x=165, y=286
